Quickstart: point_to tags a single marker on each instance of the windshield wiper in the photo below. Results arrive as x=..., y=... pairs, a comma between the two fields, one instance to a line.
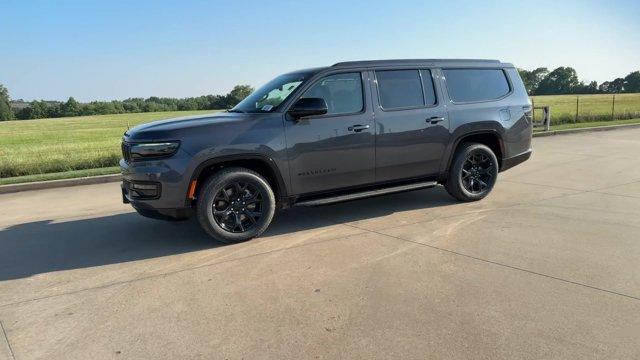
x=235, y=111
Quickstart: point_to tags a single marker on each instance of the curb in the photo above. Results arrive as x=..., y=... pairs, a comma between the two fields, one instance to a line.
x=582, y=130
x=51, y=184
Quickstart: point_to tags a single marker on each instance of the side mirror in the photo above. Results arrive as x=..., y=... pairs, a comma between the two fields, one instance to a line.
x=308, y=107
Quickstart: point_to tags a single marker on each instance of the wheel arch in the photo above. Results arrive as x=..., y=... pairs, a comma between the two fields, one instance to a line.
x=259, y=163
x=489, y=137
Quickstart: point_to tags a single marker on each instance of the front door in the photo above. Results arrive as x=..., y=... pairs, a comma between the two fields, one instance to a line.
x=411, y=124
x=335, y=150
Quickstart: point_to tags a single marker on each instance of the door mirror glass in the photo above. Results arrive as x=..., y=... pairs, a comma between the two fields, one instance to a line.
x=308, y=107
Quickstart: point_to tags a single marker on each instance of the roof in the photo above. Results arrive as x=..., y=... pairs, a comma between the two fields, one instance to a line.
x=423, y=62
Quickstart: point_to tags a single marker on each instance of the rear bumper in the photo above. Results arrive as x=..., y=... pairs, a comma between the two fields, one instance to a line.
x=508, y=163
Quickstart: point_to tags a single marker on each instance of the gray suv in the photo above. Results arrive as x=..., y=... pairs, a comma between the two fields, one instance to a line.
x=331, y=134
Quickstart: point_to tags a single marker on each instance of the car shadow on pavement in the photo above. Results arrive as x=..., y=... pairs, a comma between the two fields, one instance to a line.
x=304, y=218
x=45, y=246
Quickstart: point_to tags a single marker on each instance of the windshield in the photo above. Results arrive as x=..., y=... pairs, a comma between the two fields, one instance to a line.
x=268, y=97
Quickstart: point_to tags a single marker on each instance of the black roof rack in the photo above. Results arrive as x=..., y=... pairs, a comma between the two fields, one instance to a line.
x=414, y=61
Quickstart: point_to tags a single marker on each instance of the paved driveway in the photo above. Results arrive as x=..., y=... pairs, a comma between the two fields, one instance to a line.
x=548, y=266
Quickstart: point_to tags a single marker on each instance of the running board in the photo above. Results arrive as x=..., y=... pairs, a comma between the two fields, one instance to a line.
x=366, y=194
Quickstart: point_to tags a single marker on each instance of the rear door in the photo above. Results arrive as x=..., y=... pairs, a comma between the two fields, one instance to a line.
x=411, y=124
x=335, y=150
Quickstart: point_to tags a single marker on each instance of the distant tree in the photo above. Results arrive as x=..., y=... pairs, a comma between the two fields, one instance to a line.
x=604, y=87
x=70, y=108
x=216, y=102
x=615, y=86
x=53, y=109
x=188, y=104
x=35, y=110
x=531, y=79
x=238, y=94
x=632, y=82
x=590, y=88
x=105, y=107
x=5, y=107
x=562, y=80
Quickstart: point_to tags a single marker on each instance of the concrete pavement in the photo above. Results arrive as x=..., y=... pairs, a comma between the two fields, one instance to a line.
x=545, y=267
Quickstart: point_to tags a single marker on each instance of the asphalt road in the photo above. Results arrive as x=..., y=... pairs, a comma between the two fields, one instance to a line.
x=546, y=267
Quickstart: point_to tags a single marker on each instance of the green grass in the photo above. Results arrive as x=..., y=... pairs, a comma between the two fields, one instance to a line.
x=43, y=146
x=592, y=124
x=60, y=175
x=591, y=107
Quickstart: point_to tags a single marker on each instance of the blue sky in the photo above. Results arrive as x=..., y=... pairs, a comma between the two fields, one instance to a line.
x=99, y=50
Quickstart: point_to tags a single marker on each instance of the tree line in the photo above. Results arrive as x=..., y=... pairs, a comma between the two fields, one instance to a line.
x=541, y=81
x=564, y=80
x=55, y=109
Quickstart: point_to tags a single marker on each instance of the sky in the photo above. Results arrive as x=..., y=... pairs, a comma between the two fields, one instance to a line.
x=104, y=50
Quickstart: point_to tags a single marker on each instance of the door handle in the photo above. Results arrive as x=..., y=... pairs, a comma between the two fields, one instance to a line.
x=435, y=119
x=358, y=128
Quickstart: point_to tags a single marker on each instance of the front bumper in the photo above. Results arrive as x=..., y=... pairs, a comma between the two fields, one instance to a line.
x=146, y=210
x=141, y=190
x=158, y=188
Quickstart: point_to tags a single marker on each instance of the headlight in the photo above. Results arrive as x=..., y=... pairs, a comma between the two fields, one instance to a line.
x=153, y=150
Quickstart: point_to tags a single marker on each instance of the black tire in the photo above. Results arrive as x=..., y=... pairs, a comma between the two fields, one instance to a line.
x=473, y=172
x=224, y=192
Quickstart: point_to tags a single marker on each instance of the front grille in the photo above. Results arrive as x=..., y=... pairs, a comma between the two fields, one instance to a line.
x=126, y=151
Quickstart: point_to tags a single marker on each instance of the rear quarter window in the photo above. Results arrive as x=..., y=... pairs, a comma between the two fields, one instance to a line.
x=468, y=85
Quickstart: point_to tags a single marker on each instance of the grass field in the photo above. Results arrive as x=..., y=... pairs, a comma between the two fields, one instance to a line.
x=45, y=149
x=581, y=125
x=590, y=107
x=43, y=146
x=73, y=174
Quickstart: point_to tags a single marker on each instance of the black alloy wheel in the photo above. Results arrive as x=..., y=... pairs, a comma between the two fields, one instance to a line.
x=473, y=172
x=237, y=207
x=477, y=172
x=235, y=204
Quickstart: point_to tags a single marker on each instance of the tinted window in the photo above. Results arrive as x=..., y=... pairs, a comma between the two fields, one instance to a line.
x=399, y=89
x=429, y=90
x=342, y=92
x=476, y=84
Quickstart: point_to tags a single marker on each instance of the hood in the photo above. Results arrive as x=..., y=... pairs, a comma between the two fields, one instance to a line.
x=174, y=128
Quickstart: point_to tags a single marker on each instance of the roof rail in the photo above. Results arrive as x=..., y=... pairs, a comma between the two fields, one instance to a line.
x=410, y=61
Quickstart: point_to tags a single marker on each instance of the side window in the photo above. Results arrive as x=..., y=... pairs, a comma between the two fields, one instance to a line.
x=342, y=92
x=399, y=89
x=429, y=90
x=476, y=84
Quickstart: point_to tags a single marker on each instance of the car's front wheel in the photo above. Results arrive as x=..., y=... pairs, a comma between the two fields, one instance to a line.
x=235, y=205
x=473, y=172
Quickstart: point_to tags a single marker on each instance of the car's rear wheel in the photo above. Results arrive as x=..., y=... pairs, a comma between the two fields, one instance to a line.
x=235, y=205
x=473, y=173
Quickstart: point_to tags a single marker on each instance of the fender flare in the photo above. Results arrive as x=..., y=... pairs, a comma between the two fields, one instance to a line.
x=281, y=189
x=454, y=145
